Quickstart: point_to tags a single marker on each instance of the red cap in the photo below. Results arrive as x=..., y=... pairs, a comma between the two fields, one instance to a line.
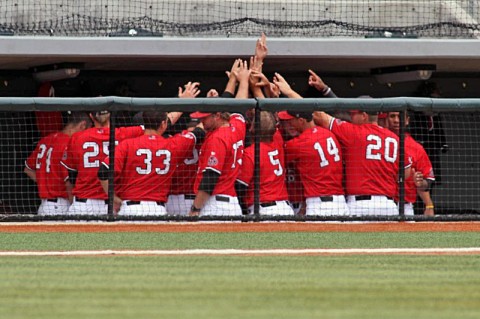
x=284, y=115
x=382, y=115
x=199, y=115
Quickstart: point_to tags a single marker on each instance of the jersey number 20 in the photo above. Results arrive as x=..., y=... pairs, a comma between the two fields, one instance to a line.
x=373, y=150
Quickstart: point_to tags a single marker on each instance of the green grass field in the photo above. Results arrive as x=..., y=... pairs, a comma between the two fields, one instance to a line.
x=238, y=286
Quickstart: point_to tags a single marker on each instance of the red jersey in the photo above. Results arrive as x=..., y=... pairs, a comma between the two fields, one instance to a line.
x=421, y=163
x=272, y=172
x=85, y=152
x=144, y=165
x=371, y=157
x=45, y=161
x=184, y=176
x=222, y=153
x=318, y=158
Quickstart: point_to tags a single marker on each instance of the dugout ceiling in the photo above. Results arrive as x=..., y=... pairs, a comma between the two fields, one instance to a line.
x=156, y=66
x=207, y=54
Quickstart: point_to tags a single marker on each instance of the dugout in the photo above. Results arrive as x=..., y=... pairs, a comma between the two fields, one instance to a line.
x=342, y=41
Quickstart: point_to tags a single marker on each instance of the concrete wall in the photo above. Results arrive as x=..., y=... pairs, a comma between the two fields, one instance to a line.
x=100, y=17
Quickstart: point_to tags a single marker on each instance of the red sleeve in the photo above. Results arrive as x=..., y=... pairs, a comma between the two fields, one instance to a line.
x=342, y=130
x=121, y=154
x=423, y=164
x=245, y=174
x=31, y=162
x=184, y=144
x=123, y=133
x=69, y=159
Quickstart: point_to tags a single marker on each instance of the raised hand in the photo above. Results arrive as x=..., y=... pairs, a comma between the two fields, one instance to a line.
x=212, y=93
x=315, y=81
x=259, y=79
x=272, y=91
x=191, y=90
x=284, y=87
x=261, y=49
x=236, y=64
x=242, y=73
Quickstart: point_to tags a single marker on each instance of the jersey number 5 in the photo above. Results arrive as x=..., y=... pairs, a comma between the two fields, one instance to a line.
x=275, y=162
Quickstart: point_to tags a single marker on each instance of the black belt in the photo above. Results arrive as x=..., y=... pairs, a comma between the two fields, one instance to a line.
x=53, y=200
x=84, y=200
x=222, y=199
x=189, y=196
x=296, y=205
x=137, y=202
x=326, y=198
x=268, y=204
x=368, y=197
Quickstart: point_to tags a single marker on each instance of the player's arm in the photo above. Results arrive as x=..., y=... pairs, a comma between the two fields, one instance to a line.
x=242, y=74
x=256, y=84
x=284, y=87
x=205, y=190
x=69, y=189
x=316, y=81
x=261, y=52
x=190, y=91
x=427, y=202
x=102, y=175
x=232, y=79
x=30, y=173
x=421, y=183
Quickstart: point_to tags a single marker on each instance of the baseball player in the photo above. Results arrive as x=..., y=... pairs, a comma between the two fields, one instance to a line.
x=181, y=191
x=220, y=157
x=87, y=149
x=144, y=166
x=371, y=158
x=43, y=166
x=219, y=162
x=422, y=177
x=318, y=157
x=83, y=156
x=293, y=181
x=273, y=191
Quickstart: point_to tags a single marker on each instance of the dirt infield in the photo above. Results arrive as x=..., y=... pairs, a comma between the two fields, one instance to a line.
x=241, y=227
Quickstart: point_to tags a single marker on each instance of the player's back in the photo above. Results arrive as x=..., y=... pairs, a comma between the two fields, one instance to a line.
x=85, y=152
x=45, y=161
x=272, y=172
x=146, y=164
x=184, y=175
x=318, y=159
x=371, y=158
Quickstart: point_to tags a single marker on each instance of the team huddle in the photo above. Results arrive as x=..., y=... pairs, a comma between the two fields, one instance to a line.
x=310, y=163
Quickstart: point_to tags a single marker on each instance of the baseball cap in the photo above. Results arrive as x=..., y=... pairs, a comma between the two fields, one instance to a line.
x=382, y=115
x=288, y=115
x=199, y=115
